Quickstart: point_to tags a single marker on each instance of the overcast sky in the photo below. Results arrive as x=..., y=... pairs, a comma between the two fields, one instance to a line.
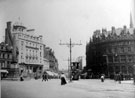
x=64, y=19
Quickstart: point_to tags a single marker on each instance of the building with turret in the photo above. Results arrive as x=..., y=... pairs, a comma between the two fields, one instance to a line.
x=33, y=56
x=30, y=47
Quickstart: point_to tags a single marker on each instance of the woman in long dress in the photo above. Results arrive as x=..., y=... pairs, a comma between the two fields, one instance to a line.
x=63, y=79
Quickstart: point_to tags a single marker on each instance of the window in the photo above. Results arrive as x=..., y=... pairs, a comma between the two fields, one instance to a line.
x=1, y=47
x=112, y=50
x=4, y=48
x=40, y=54
x=130, y=58
x=110, y=59
x=115, y=50
x=121, y=49
x=22, y=43
x=40, y=47
x=3, y=55
x=108, y=50
x=123, y=58
x=8, y=56
x=129, y=49
x=3, y=65
x=116, y=59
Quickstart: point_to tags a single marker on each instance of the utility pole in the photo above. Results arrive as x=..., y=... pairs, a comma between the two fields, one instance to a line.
x=70, y=45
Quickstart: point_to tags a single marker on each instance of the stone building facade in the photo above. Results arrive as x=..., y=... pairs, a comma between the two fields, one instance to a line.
x=30, y=47
x=7, y=60
x=33, y=56
x=50, y=56
x=111, y=52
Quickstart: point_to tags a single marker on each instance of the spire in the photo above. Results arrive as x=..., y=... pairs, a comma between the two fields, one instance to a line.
x=131, y=22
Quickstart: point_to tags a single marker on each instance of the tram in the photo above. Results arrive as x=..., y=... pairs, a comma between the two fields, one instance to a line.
x=76, y=70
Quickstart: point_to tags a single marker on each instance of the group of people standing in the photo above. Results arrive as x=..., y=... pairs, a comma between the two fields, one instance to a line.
x=44, y=76
x=118, y=77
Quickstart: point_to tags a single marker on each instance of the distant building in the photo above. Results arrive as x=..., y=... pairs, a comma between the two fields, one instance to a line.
x=111, y=52
x=45, y=59
x=53, y=62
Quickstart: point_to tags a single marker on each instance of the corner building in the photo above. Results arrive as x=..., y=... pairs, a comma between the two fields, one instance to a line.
x=111, y=52
x=30, y=47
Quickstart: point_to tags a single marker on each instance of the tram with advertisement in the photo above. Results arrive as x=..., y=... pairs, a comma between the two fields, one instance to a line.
x=76, y=70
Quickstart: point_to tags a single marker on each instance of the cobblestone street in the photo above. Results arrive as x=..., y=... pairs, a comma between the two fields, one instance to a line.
x=76, y=89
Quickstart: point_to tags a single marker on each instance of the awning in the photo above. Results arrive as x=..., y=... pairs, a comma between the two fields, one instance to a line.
x=49, y=73
x=52, y=73
x=3, y=71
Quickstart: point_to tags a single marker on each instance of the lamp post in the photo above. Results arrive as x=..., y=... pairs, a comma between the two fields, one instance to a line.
x=116, y=60
x=107, y=64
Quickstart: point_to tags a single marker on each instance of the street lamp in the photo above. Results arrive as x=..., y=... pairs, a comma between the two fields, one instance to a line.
x=107, y=64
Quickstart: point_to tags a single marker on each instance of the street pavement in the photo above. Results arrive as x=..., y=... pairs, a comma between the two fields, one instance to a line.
x=91, y=88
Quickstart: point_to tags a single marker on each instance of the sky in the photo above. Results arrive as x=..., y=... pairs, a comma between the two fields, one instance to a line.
x=64, y=19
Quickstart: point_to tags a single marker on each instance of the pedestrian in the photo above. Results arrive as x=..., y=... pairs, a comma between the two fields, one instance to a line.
x=46, y=77
x=21, y=77
x=63, y=79
x=119, y=77
x=43, y=77
x=102, y=77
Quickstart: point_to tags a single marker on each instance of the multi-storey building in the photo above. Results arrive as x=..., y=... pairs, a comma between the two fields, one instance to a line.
x=7, y=60
x=29, y=54
x=30, y=48
x=111, y=52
